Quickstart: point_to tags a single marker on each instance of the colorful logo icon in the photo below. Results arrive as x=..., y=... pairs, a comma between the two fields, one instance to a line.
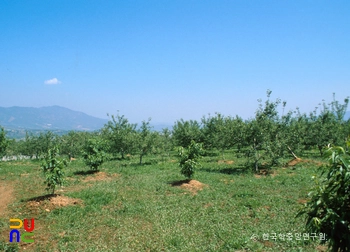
x=25, y=235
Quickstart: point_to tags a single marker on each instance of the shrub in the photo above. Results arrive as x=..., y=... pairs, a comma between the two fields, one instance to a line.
x=328, y=211
x=189, y=158
x=94, y=154
x=52, y=167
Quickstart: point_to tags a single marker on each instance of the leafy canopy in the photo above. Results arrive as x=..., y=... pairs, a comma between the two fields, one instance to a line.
x=3, y=142
x=189, y=158
x=328, y=210
x=53, y=167
x=94, y=154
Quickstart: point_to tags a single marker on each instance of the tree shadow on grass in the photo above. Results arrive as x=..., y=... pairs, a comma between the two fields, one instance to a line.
x=42, y=197
x=83, y=173
x=179, y=182
x=230, y=171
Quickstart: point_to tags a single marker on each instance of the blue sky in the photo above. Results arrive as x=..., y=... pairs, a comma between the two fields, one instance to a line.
x=173, y=59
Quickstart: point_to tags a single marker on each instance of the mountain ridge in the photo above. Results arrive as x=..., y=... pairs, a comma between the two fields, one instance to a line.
x=48, y=118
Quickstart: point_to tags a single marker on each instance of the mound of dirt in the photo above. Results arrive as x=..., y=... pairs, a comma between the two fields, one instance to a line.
x=294, y=162
x=6, y=192
x=191, y=185
x=225, y=162
x=50, y=202
x=64, y=201
x=101, y=176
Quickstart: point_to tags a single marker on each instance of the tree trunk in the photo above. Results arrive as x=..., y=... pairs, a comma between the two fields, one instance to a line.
x=295, y=156
x=320, y=148
x=256, y=165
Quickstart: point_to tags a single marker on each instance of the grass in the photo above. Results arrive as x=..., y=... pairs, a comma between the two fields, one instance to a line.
x=136, y=208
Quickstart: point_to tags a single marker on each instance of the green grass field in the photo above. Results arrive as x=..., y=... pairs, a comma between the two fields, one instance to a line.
x=128, y=207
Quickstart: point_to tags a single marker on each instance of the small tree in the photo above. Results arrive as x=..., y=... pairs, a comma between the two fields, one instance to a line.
x=327, y=125
x=94, y=154
x=328, y=211
x=3, y=142
x=120, y=134
x=38, y=145
x=146, y=139
x=185, y=131
x=265, y=135
x=165, y=142
x=72, y=143
x=189, y=158
x=52, y=167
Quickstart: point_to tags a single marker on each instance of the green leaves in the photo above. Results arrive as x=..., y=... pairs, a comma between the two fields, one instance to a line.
x=221, y=132
x=326, y=126
x=189, y=158
x=146, y=140
x=120, y=134
x=72, y=143
x=266, y=136
x=52, y=167
x=38, y=145
x=328, y=210
x=186, y=131
x=3, y=142
x=94, y=154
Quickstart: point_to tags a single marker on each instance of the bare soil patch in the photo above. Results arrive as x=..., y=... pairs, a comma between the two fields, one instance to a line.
x=208, y=205
x=65, y=201
x=6, y=194
x=268, y=244
x=50, y=202
x=302, y=201
x=265, y=172
x=101, y=176
x=191, y=185
x=294, y=161
x=225, y=162
x=322, y=248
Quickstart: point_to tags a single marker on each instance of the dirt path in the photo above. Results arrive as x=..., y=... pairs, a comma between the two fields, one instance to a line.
x=6, y=194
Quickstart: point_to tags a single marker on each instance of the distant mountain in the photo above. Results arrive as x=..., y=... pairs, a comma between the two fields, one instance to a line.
x=48, y=118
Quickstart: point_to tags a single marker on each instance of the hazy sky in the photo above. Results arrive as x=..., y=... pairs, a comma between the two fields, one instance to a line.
x=173, y=59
